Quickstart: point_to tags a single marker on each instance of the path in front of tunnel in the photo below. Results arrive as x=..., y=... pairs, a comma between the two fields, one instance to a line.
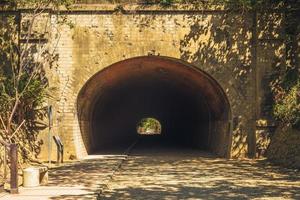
x=160, y=172
x=168, y=173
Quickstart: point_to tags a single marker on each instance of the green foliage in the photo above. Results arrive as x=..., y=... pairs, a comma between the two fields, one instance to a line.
x=39, y=3
x=149, y=124
x=23, y=83
x=166, y=2
x=285, y=85
x=287, y=108
x=9, y=58
x=244, y=4
x=28, y=92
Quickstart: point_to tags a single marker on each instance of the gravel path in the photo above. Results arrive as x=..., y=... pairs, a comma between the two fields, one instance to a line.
x=169, y=174
x=158, y=173
x=79, y=180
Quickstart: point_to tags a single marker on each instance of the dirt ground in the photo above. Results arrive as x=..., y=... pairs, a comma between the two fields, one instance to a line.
x=187, y=174
x=159, y=173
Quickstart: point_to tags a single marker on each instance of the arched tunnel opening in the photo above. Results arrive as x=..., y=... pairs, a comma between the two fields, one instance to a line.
x=189, y=104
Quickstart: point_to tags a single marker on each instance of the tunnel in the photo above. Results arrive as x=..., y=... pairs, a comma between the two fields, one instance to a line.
x=190, y=105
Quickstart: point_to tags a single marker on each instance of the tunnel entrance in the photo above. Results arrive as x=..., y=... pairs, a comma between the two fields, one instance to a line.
x=190, y=105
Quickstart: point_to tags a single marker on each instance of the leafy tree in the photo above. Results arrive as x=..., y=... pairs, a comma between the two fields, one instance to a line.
x=149, y=124
x=23, y=83
x=285, y=83
x=287, y=108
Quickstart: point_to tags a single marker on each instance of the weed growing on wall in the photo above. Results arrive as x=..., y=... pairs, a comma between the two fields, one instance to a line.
x=23, y=82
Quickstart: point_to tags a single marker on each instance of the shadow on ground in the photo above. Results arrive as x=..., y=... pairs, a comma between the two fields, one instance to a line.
x=173, y=174
x=194, y=176
x=88, y=176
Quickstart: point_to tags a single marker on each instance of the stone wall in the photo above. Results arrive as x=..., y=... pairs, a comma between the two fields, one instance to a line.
x=284, y=148
x=234, y=47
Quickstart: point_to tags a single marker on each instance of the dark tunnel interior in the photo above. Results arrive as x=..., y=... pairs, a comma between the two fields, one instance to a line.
x=186, y=103
x=183, y=116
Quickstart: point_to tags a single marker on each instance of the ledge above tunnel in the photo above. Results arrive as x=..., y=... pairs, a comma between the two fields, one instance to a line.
x=190, y=105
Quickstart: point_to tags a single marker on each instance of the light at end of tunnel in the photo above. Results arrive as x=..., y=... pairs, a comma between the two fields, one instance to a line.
x=148, y=126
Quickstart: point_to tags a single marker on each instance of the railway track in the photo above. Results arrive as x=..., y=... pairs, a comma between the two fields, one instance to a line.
x=105, y=185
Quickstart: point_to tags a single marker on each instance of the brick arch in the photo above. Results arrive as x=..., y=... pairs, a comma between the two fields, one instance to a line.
x=190, y=104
